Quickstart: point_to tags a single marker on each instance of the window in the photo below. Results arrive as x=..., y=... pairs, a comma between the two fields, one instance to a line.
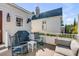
x=44, y=25
x=8, y=17
x=19, y=21
x=61, y=21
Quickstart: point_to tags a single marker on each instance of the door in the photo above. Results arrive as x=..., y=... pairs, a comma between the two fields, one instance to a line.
x=0, y=27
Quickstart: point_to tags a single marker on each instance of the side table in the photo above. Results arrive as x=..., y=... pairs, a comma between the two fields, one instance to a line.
x=32, y=45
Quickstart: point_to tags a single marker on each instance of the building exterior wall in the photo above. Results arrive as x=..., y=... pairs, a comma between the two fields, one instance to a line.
x=53, y=25
x=77, y=36
x=11, y=27
x=78, y=24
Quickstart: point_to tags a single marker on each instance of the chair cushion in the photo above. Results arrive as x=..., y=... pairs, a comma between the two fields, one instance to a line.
x=74, y=46
x=62, y=41
x=64, y=50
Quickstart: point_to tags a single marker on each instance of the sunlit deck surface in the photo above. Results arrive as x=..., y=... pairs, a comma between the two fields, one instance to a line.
x=43, y=50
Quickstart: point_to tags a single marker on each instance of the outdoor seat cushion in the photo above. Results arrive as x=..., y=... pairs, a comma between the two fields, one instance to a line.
x=64, y=50
x=62, y=41
x=74, y=46
x=20, y=49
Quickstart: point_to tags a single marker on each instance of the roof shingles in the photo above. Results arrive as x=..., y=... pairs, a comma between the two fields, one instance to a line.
x=51, y=13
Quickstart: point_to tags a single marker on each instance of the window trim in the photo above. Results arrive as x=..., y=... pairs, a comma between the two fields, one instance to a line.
x=19, y=21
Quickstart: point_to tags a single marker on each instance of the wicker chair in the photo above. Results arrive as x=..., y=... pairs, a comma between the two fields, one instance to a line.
x=19, y=43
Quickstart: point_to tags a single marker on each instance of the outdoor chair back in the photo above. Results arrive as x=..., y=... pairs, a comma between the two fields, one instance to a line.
x=19, y=42
x=38, y=39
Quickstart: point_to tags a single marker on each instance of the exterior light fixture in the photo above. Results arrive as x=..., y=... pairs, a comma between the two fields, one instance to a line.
x=28, y=20
x=8, y=17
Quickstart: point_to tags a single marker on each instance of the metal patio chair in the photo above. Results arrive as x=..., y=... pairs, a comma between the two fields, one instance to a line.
x=39, y=40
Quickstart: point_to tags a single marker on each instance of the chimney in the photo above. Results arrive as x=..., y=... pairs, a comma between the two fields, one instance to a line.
x=37, y=11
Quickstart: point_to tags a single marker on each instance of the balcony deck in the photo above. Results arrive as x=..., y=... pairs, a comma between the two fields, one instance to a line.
x=45, y=50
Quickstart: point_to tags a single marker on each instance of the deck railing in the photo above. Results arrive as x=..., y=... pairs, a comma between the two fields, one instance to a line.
x=63, y=35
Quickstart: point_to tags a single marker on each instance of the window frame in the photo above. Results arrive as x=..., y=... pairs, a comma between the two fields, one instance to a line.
x=19, y=21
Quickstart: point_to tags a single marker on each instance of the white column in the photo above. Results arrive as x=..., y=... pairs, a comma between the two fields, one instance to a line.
x=6, y=40
x=78, y=24
x=78, y=28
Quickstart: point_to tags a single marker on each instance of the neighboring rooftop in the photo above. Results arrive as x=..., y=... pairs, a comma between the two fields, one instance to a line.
x=51, y=13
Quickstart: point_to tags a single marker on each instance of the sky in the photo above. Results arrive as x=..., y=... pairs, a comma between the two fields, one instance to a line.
x=70, y=10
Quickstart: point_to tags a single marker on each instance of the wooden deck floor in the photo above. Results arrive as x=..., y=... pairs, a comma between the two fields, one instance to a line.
x=45, y=50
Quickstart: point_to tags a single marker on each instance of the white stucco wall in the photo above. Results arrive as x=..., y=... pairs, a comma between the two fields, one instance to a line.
x=78, y=24
x=53, y=25
x=77, y=36
x=11, y=27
